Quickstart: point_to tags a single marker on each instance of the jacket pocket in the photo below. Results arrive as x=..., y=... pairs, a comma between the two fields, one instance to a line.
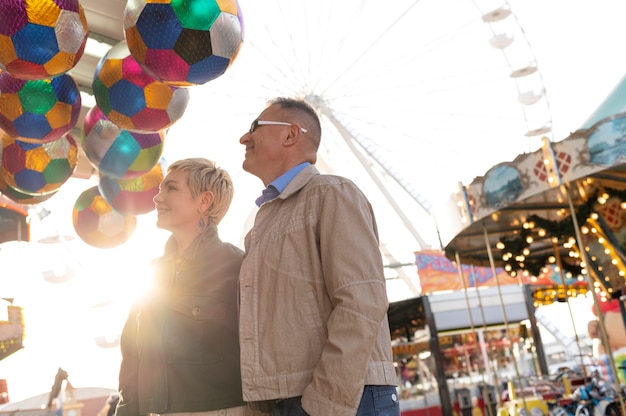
x=196, y=330
x=199, y=307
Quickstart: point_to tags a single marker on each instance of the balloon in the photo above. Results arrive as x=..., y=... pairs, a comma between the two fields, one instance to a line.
x=20, y=197
x=116, y=152
x=131, y=98
x=38, y=111
x=41, y=38
x=133, y=196
x=38, y=169
x=180, y=44
x=98, y=224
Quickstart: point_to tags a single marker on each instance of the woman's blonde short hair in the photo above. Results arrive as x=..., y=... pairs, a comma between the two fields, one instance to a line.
x=205, y=175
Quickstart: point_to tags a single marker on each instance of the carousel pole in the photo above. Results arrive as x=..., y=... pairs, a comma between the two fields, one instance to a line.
x=467, y=302
x=488, y=363
x=559, y=262
x=540, y=363
x=622, y=308
x=468, y=211
x=503, y=309
x=493, y=371
x=482, y=314
x=479, y=345
x=594, y=295
x=555, y=180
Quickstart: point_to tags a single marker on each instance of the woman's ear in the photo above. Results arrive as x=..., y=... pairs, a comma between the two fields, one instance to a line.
x=206, y=200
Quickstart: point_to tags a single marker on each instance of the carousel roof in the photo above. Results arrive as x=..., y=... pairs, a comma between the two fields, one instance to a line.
x=538, y=209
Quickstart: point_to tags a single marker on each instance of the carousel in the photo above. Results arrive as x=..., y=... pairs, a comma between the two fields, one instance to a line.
x=558, y=212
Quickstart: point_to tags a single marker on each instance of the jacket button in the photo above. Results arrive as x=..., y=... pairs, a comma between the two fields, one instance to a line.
x=195, y=311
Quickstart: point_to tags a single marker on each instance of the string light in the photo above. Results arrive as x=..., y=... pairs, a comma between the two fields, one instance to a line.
x=547, y=295
x=517, y=249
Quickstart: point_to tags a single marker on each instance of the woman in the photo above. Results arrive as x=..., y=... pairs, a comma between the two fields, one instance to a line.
x=180, y=351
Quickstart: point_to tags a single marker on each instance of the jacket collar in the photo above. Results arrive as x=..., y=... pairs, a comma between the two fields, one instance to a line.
x=299, y=181
x=208, y=236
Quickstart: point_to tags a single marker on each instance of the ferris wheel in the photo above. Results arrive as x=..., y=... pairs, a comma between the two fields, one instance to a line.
x=414, y=97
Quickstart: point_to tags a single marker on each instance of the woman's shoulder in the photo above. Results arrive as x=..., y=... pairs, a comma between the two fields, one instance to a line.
x=232, y=249
x=223, y=247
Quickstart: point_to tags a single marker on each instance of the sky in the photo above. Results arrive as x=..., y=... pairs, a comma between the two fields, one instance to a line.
x=417, y=84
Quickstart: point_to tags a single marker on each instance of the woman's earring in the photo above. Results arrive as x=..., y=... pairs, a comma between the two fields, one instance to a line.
x=201, y=224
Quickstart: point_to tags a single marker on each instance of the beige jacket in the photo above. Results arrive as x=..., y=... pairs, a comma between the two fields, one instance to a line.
x=313, y=302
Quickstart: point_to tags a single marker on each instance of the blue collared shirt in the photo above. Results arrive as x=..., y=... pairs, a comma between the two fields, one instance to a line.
x=279, y=184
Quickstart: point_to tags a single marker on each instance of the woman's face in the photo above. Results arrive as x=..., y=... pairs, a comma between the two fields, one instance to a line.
x=177, y=209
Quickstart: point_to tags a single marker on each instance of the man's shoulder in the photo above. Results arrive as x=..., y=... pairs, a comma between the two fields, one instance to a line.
x=311, y=180
x=330, y=179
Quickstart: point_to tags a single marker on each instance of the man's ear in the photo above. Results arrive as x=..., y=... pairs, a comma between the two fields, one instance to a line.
x=293, y=135
x=206, y=200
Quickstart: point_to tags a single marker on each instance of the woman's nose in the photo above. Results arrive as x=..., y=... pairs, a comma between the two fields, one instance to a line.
x=156, y=197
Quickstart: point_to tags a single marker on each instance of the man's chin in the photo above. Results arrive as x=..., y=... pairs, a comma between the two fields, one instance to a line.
x=246, y=166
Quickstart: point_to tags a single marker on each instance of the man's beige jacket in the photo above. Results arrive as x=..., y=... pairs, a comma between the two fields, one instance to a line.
x=313, y=301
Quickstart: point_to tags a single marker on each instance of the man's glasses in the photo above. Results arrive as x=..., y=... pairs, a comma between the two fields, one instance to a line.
x=256, y=123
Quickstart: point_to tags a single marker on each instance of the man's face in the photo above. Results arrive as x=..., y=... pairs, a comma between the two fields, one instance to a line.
x=264, y=144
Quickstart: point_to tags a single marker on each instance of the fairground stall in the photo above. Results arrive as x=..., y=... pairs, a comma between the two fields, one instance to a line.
x=456, y=350
x=11, y=337
x=14, y=226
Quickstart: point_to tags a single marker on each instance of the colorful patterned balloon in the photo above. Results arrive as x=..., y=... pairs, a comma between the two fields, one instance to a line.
x=41, y=38
x=133, y=196
x=38, y=169
x=98, y=224
x=131, y=98
x=20, y=197
x=184, y=43
x=38, y=111
x=117, y=152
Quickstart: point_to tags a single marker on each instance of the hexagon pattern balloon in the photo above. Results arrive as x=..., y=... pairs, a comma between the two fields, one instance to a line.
x=133, y=196
x=19, y=197
x=41, y=38
x=38, y=169
x=22, y=198
x=116, y=152
x=184, y=42
x=131, y=98
x=38, y=111
x=98, y=224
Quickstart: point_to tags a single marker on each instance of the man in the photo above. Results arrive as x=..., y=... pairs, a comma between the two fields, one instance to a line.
x=314, y=334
